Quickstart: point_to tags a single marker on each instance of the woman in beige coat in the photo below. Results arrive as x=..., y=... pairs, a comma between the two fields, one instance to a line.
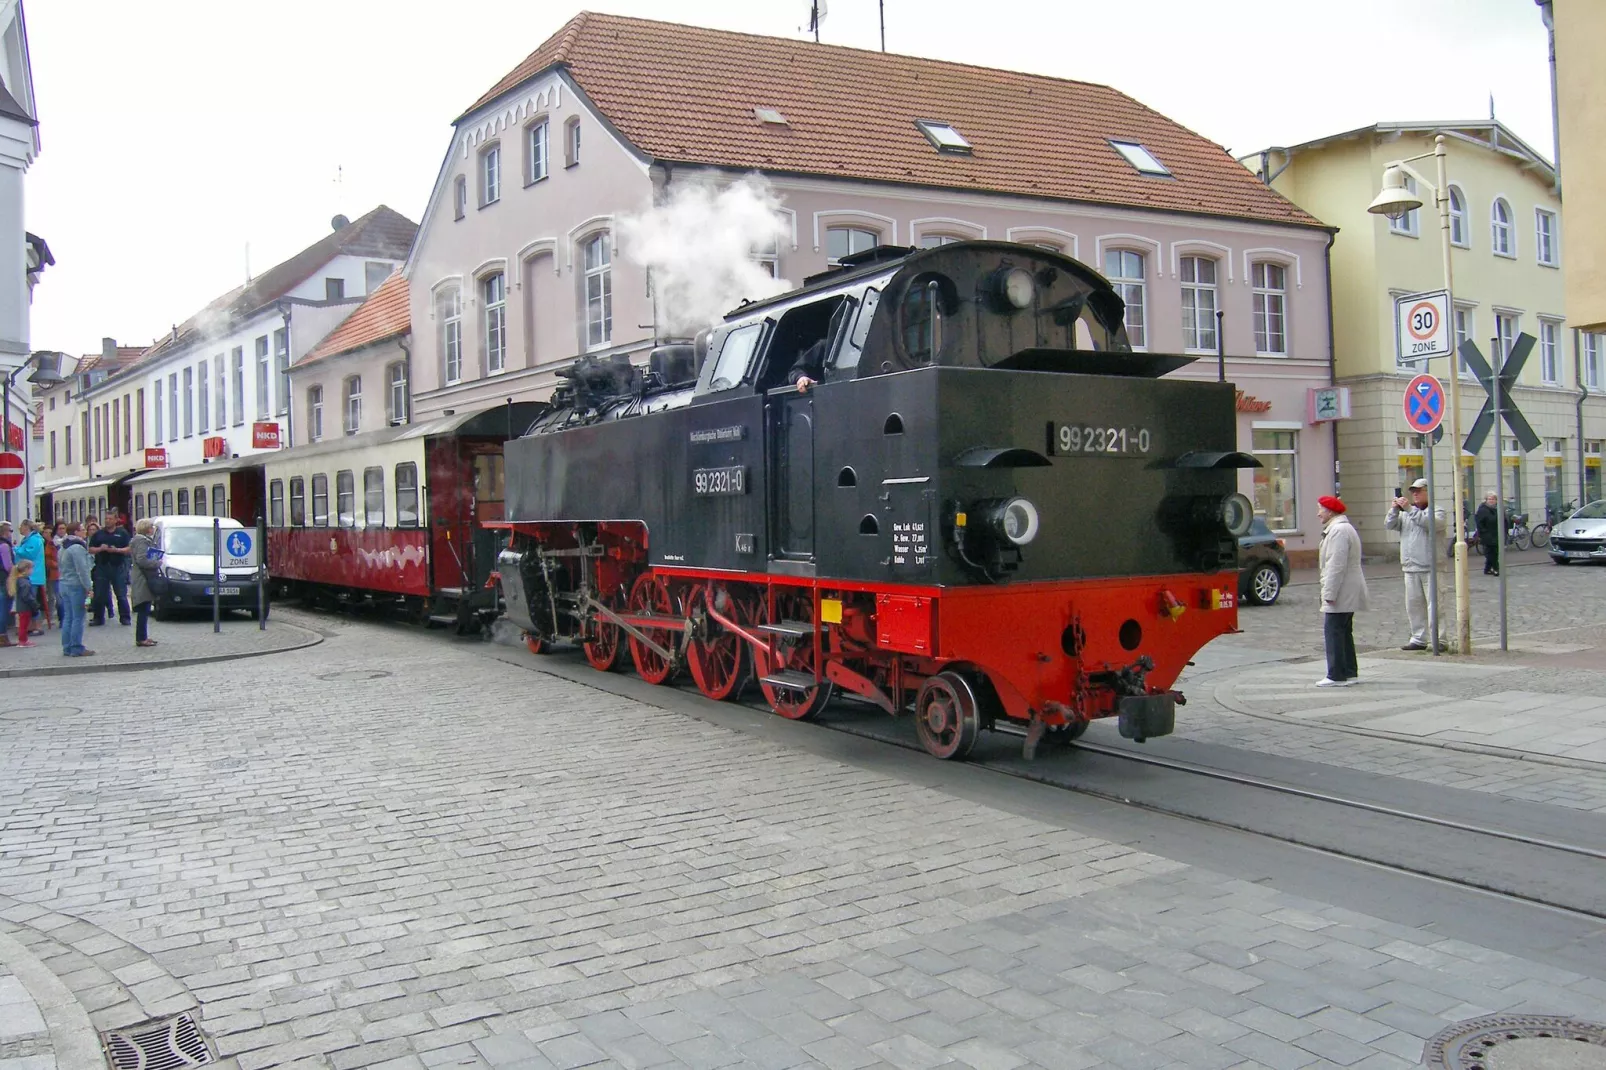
x=1343, y=591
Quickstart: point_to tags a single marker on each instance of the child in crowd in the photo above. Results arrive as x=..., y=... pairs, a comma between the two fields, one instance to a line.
x=24, y=601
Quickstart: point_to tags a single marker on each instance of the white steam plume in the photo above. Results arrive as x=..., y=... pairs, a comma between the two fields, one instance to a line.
x=699, y=246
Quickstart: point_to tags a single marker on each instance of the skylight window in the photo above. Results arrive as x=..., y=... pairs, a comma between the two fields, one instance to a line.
x=1140, y=157
x=943, y=136
x=770, y=115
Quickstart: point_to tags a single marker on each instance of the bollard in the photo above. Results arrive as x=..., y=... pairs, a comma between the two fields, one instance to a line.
x=262, y=574
x=217, y=576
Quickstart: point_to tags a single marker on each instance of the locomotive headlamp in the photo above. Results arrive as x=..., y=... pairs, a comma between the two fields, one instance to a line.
x=1017, y=288
x=1237, y=513
x=1012, y=519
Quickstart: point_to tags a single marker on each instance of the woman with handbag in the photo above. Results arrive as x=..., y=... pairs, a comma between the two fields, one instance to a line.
x=146, y=578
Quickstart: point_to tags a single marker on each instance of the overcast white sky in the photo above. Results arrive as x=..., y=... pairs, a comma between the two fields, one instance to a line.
x=177, y=131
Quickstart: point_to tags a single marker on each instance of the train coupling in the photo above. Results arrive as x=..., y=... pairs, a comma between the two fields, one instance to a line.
x=1141, y=717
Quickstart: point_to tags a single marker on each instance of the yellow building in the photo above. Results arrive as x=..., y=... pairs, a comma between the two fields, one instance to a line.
x=1578, y=39
x=1506, y=259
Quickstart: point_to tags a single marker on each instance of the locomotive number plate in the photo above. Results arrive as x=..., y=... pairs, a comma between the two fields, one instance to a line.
x=719, y=481
x=1068, y=439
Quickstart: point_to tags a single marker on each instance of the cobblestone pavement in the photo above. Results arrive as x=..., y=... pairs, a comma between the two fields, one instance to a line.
x=190, y=639
x=390, y=850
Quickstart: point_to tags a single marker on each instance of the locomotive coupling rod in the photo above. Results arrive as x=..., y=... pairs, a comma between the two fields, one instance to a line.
x=731, y=626
x=634, y=632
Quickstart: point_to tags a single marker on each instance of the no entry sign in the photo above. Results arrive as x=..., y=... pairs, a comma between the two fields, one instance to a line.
x=1422, y=326
x=12, y=471
x=1424, y=404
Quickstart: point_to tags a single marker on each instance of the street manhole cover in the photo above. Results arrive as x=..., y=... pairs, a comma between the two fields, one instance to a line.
x=1519, y=1042
x=169, y=1044
x=354, y=674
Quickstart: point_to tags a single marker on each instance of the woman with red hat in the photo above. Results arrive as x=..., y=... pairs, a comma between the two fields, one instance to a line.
x=1343, y=591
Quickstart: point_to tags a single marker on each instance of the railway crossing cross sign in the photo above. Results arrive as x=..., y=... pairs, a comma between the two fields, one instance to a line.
x=1422, y=326
x=1424, y=404
x=12, y=471
x=1509, y=412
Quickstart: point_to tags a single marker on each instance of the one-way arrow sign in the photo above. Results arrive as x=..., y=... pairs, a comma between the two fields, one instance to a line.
x=1508, y=408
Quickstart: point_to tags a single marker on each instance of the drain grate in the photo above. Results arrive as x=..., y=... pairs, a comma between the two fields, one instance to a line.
x=169, y=1044
x=1501, y=1041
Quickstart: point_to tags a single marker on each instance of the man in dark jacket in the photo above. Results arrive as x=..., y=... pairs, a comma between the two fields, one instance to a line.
x=1487, y=520
x=109, y=547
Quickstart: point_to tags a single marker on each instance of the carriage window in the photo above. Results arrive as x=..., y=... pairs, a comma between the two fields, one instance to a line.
x=927, y=305
x=373, y=497
x=735, y=356
x=220, y=500
x=298, y=502
x=320, y=501
x=139, y=507
x=346, y=499
x=407, y=495
x=167, y=503
x=150, y=504
x=488, y=477
x=200, y=501
x=276, y=503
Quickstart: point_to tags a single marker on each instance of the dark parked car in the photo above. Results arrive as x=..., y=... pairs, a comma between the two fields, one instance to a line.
x=1262, y=564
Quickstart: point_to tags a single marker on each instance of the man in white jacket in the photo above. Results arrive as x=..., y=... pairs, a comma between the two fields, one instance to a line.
x=1409, y=516
x=1343, y=591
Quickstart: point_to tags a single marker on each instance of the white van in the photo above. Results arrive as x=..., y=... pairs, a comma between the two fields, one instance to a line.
x=185, y=543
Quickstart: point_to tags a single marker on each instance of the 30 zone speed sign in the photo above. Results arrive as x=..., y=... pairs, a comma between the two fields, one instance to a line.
x=1422, y=326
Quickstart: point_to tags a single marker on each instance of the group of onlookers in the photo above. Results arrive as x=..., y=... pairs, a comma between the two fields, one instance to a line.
x=73, y=569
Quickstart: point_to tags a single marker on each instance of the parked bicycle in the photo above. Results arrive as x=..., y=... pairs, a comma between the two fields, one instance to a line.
x=1518, y=533
x=1553, y=516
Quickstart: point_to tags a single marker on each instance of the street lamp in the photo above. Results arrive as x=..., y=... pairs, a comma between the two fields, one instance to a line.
x=1395, y=200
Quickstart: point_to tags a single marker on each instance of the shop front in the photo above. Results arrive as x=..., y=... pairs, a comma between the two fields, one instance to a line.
x=1282, y=425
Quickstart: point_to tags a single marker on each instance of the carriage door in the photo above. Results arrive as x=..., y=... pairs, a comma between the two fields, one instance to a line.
x=488, y=497
x=791, y=482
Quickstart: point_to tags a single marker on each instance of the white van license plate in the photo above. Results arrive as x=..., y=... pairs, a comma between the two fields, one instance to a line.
x=224, y=592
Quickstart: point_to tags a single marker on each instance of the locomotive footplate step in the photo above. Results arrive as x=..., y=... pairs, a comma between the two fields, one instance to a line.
x=795, y=629
x=797, y=681
x=1145, y=716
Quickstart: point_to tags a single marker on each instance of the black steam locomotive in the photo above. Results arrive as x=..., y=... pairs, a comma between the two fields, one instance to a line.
x=988, y=508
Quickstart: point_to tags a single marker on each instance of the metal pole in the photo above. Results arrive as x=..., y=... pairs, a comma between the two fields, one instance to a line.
x=1433, y=544
x=1221, y=348
x=1500, y=481
x=883, y=7
x=217, y=577
x=1463, y=604
x=262, y=573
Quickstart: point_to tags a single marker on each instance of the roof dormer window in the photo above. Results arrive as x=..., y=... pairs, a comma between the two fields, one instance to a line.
x=770, y=116
x=943, y=137
x=1140, y=158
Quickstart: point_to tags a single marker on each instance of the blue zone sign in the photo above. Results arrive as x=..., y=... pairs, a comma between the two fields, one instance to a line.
x=238, y=544
x=1424, y=404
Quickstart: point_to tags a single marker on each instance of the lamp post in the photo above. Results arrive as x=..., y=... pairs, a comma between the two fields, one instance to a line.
x=1395, y=200
x=46, y=372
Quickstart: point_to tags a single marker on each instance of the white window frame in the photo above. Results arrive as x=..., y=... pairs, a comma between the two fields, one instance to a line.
x=281, y=364
x=157, y=392
x=1502, y=232
x=222, y=392
x=1550, y=352
x=493, y=321
x=1062, y=241
x=448, y=301
x=397, y=400
x=237, y=362
x=536, y=160
x=315, y=413
x=1458, y=219
x=264, y=385
x=1545, y=237
x=768, y=257
x=1283, y=427
x=1594, y=352
x=1410, y=224
x=1502, y=317
x=1142, y=160
x=1264, y=296
x=571, y=142
x=1194, y=332
x=597, y=289
x=351, y=404
x=203, y=396
x=489, y=171
x=850, y=229
x=1126, y=285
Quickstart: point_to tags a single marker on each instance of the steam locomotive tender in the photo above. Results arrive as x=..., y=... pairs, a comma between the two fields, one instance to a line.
x=989, y=509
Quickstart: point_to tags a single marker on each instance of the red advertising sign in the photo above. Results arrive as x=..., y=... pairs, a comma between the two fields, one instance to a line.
x=155, y=457
x=265, y=436
x=216, y=446
x=13, y=436
x=12, y=472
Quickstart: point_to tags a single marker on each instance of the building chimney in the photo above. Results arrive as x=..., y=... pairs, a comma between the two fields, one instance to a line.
x=108, y=349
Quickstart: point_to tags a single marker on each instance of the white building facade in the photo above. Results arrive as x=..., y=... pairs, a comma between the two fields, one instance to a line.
x=21, y=255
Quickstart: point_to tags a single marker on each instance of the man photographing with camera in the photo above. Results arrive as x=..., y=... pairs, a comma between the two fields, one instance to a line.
x=1408, y=514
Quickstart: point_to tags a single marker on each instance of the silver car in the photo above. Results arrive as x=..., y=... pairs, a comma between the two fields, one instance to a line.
x=1581, y=537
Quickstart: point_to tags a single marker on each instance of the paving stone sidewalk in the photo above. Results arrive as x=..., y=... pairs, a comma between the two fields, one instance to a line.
x=400, y=853
x=186, y=641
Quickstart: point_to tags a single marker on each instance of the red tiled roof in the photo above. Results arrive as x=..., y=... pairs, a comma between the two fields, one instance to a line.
x=687, y=94
x=126, y=355
x=383, y=315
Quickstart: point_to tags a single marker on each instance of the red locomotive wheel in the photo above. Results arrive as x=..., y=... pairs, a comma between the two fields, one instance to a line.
x=947, y=716
x=718, y=660
x=603, y=651
x=650, y=594
x=795, y=702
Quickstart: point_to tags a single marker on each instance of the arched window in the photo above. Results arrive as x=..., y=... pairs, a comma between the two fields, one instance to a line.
x=396, y=411
x=490, y=174
x=1126, y=270
x=934, y=241
x=535, y=151
x=449, y=315
x=1501, y=236
x=844, y=241
x=598, y=264
x=1271, y=308
x=314, y=413
x=1459, y=234
x=353, y=404
x=1199, y=303
x=493, y=321
x=571, y=142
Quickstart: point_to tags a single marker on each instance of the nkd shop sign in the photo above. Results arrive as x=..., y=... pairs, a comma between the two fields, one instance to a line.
x=265, y=436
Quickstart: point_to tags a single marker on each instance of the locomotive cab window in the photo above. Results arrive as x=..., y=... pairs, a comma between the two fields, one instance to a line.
x=735, y=356
x=276, y=503
x=373, y=497
x=805, y=335
x=346, y=499
x=407, y=495
x=929, y=303
x=320, y=501
x=298, y=502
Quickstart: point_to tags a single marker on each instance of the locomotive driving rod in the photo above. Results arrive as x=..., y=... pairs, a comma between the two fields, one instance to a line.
x=668, y=624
